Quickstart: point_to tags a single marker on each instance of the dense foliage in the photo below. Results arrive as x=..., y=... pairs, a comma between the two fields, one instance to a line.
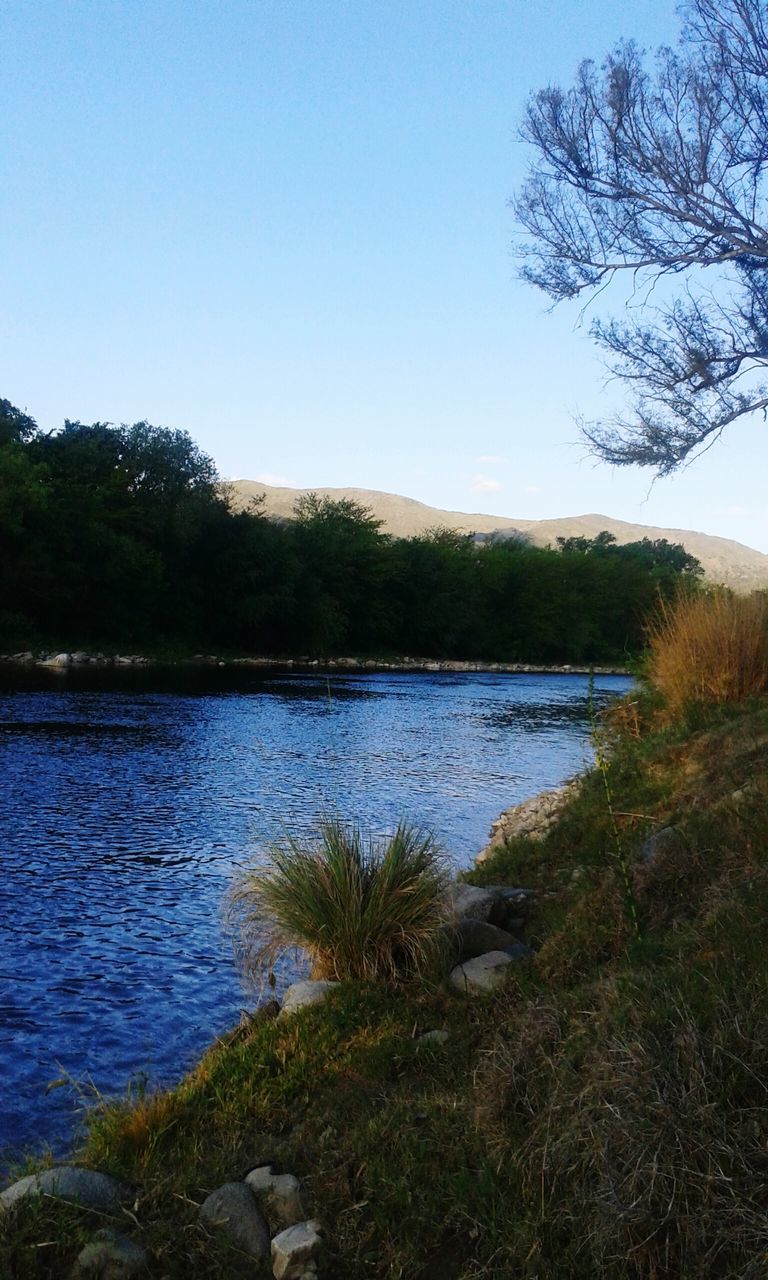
x=115, y=537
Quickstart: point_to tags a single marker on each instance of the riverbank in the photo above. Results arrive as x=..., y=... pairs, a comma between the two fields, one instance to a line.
x=603, y=1112
x=78, y=658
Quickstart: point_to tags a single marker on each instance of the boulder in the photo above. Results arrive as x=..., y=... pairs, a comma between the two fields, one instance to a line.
x=303, y=994
x=111, y=1256
x=469, y=938
x=295, y=1250
x=509, y=893
x=665, y=843
x=57, y=660
x=467, y=900
x=503, y=905
x=279, y=1192
x=84, y=1187
x=232, y=1210
x=481, y=975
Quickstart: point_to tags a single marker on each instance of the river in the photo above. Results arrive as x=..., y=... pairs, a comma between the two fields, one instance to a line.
x=127, y=799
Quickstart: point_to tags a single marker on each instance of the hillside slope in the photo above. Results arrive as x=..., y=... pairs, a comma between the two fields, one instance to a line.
x=723, y=560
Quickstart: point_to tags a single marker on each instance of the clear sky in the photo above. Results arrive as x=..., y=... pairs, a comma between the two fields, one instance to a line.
x=283, y=225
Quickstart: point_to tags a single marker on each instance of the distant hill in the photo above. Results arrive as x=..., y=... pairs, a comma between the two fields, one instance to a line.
x=738, y=566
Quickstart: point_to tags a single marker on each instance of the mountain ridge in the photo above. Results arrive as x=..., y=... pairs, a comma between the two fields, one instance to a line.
x=723, y=559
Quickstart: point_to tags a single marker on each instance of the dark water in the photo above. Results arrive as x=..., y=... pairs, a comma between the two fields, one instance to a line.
x=126, y=800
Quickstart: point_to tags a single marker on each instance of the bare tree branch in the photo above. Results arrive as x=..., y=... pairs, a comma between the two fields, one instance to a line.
x=661, y=173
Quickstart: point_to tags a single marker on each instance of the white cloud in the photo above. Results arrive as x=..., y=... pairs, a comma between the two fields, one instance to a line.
x=484, y=484
x=532, y=488
x=491, y=459
x=268, y=477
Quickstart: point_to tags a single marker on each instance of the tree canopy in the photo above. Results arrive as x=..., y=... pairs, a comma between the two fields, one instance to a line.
x=115, y=536
x=659, y=173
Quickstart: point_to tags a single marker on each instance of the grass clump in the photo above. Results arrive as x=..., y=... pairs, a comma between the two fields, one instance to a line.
x=359, y=909
x=708, y=649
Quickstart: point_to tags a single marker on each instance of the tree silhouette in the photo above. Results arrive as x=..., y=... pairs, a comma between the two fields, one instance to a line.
x=660, y=175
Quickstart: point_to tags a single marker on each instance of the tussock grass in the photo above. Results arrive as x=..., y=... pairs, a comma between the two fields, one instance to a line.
x=359, y=909
x=709, y=648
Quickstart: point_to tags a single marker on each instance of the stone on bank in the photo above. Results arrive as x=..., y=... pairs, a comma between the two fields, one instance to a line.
x=483, y=974
x=303, y=994
x=295, y=1251
x=232, y=1210
x=83, y=1187
x=280, y=1193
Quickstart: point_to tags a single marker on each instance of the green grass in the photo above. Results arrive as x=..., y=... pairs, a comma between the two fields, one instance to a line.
x=359, y=909
x=606, y=1114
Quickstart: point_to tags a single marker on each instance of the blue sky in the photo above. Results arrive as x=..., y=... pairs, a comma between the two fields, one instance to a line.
x=284, y=227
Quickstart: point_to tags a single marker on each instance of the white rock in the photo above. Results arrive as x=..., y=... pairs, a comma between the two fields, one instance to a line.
x=294, y=1249
x=481, y=975
x=18, y=1190
x=58, y=660
x=303, y=994
x=281, y=1193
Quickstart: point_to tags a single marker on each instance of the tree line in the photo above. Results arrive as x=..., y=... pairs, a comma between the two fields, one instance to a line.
x=118, y=537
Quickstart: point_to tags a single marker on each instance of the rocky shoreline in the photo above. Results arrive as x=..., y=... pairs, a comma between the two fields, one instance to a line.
x=532, y=818
x=62, y=661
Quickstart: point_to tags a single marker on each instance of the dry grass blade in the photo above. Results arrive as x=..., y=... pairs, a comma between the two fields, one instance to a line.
x=710, y=648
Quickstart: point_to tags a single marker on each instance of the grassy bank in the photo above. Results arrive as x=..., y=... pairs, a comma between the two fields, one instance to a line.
x=605, y=1114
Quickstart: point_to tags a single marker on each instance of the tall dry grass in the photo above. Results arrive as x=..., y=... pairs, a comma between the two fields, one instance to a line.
x=358, y=908
x=709, y=648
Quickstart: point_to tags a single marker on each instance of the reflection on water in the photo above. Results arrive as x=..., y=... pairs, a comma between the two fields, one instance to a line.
x=126, y=800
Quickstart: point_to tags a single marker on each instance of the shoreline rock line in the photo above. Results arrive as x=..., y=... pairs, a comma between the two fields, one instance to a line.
x=64, y=660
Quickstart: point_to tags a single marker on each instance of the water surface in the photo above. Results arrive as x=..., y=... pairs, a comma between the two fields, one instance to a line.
x=128, y=798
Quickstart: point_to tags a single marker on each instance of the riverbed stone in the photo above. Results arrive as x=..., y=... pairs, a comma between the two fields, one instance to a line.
x=470, y=937
x=295, y=1249
x=481, y=975
x=470, y=901
x=19, y=1191
x=304, y=994
x=232, y=1210
x=279, y=1192
x=84, y=1187
x=111, y=1256
x=668, y=842
x=57, y=660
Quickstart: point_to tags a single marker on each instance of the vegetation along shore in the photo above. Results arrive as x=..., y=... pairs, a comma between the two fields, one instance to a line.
x=561, y=1075
x=62, y=661
x=123, y=540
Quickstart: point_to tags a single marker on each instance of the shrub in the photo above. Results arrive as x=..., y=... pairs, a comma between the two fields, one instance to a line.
x=709, y=648
x=358, y=908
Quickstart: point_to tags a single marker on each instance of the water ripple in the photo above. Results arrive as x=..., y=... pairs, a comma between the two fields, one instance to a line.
x=125, y=807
